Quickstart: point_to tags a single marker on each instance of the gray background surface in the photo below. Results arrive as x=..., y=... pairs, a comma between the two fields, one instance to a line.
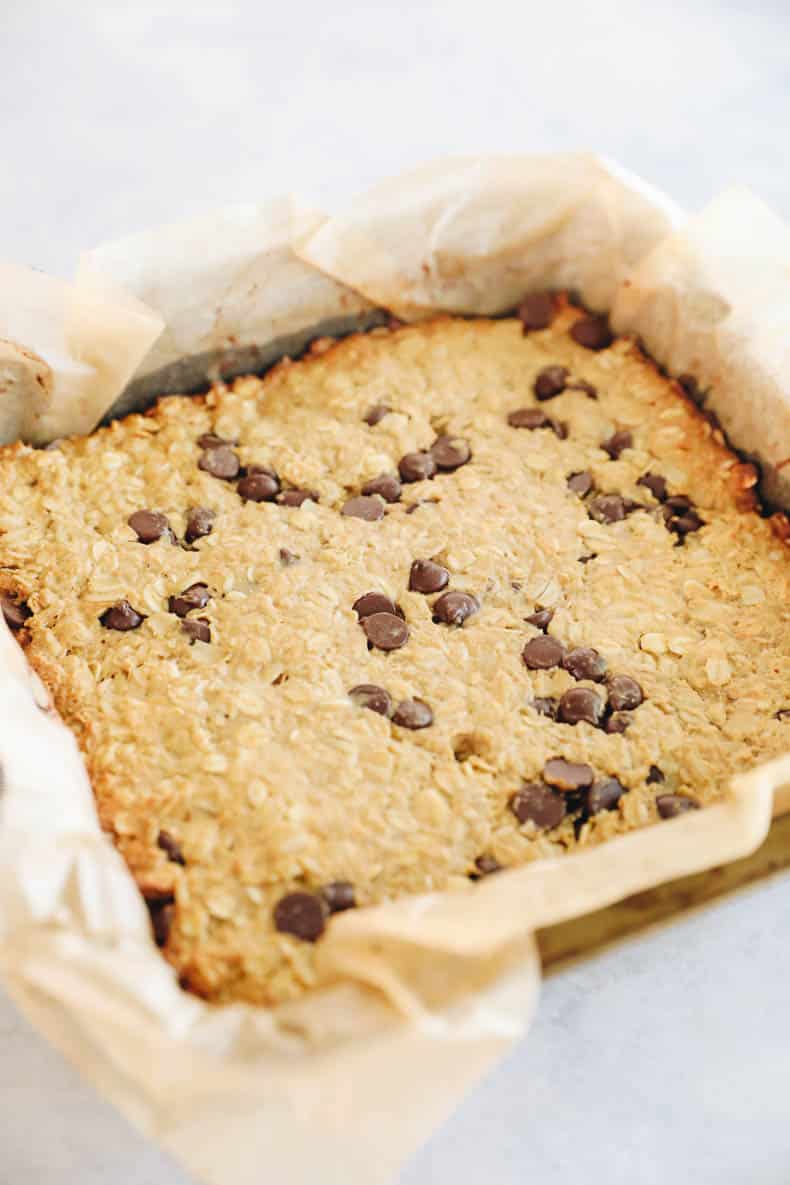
x=666, y=1060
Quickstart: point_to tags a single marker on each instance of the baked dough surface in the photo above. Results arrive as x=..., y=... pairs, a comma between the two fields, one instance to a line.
x=247, y=751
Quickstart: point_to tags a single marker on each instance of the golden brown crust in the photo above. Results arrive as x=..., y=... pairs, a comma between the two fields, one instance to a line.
x=249, y=753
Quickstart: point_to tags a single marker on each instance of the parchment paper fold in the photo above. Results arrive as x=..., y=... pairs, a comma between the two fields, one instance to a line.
x=713, y=300
x=424, y=994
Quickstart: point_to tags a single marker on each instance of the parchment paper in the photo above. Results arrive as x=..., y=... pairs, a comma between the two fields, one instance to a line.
x=342, y=1085
x=713, y=300
x=232, y=295
x=65, y=351
x=472, y=235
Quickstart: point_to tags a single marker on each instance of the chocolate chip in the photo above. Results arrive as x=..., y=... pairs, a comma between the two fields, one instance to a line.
x=782, y=714
x=373, y=697
x=604, y=796
x=149, y=525
x=339, y=896
x=412, y=713
x=533, y=417
x=654, y=774
x=16, y=613
x=370, y=508
x=585, y=559
x=536, y=311
x=677, y=504
x=617, y=443
x=288, y=558
x=580, y=704
x=546, y=705
x=260, y=485
x=196, y=596
x=655, y=483
x=625, y=694
x=539, y=804
x=671, y=805
x=121, y=616
x=417, y=467
x=426, y=577
x=375, y=602
x=210, y=440
x=196, y=629
x=540, y=618
x=450, y=452
x=590, y=390
x=386, y=486
x=375, y=414
x=529, y=417
x=592, y=332
x=607, y=508
x=581, y=483
x=567, y=775
x=301, y=914
x=171, y=847
x=485, y=866
x=296, y=497
x=585, y=663
x=685, y=524
x=541, y=654
x=200, y=522
x=618, y=722
x=551, y=381
x=220, y=462
x=162, y=916
x=453, y=608
x=385, y=631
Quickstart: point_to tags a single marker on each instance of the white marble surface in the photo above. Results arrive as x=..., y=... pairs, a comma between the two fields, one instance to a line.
x=666, y=1059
